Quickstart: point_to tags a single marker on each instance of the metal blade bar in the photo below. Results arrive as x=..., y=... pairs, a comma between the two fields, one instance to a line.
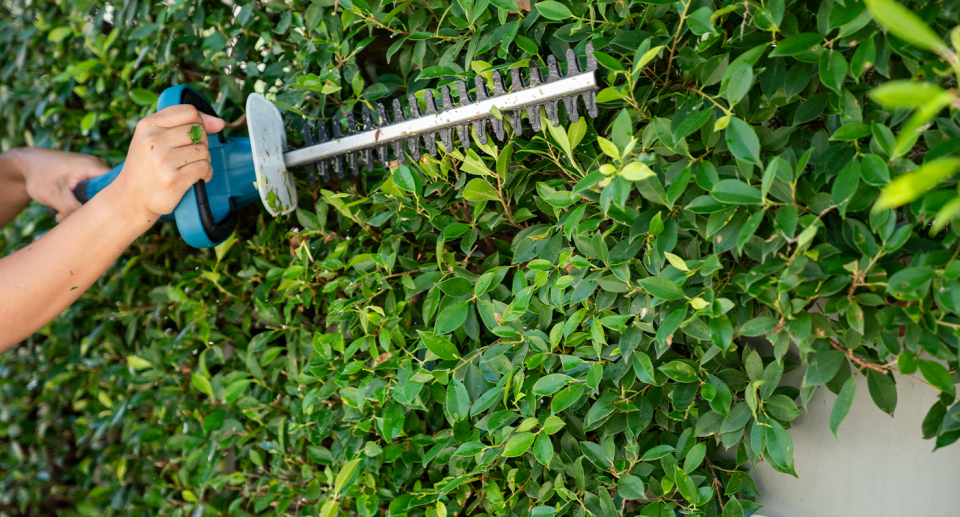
x=412, y=129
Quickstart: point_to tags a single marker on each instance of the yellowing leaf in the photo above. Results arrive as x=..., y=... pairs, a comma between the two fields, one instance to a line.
x=138, y=363
x=676, y=262
x=699, y=303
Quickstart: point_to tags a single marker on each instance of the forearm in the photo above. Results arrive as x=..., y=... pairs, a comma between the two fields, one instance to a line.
x=40, y=281
x=13, y=186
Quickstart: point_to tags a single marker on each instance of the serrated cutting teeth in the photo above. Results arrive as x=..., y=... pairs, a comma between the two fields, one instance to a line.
x=486, y=109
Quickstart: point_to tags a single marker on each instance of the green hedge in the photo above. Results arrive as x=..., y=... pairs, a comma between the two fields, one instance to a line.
x=560, y=324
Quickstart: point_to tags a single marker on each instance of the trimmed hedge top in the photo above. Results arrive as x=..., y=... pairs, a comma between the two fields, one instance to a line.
x=557, y=324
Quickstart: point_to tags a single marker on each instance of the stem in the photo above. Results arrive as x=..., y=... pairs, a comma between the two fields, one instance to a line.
x=503, y=202
x=709, y=98
x=850, y=355
x=683, y=18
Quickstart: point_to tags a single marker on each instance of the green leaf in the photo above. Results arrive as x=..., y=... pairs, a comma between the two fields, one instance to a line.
x=631, y=487
x=909, y=187
x=740, y=83
x=851, y=132
x=406, y=178
x=680, y=371
x=553, y=10
x=904, y=24
x=688, y=489
x=833, y=70
x=470, y=449
x=846, y=183
x=882, y=390
x=505, y=158
x=758, y=326
x=518, y=444
x=733, y=508
x=779, y=448
x=695, y=457
x=201, y=383
x=59, y=34
x=543, y=449
x=841, y=407
x=662, y=288
x=782, y=408
x=905, y=94
x=600, y=410
x=606, y=60
x=908, y=280
x=550, y=384
x=441, y=347
x=330, y=508
x=452, y=317
x=473, y=164
x=700, y=21
x=566, y=397
x=143, y=97
x=692, y=123
x=457, y=402
x=822, y=367
x=937, y=375
x=345, y=475
x=796, y=44
x=138, y=363
x=643, y=368
x=455, y=286
x=736, y=192
x=553, y=424
x=657, y=452
x=432, y=72
x=742, y=141
x=479, y=190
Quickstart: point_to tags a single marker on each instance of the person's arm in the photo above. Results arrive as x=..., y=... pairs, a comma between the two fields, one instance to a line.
x=13, y=187
x=40, y=281
x=46, y=176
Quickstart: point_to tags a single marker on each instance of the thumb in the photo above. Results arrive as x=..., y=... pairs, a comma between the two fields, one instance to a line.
x=212, y=124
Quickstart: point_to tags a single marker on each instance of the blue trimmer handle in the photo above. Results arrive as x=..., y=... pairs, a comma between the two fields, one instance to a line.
x=194, y=214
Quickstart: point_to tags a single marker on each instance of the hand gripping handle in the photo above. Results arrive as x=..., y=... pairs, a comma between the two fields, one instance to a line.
x=215, y=230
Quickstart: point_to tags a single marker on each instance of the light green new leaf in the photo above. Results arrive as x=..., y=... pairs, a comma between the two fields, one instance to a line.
x=904, y=24
x=905, y=93
x=910, y=186
x=345, y=475
x=478, y=189
x=519, y=444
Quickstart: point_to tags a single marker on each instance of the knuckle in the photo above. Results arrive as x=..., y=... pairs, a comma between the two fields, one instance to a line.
x=184, y=109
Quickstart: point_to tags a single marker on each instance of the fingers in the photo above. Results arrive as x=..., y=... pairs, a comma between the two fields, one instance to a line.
x=212, y=124
x=91, y=169
x=174, y=116
x=200, y=170
x=185, y=114
x=188, y=154
x=180, y=136
x=64, y=202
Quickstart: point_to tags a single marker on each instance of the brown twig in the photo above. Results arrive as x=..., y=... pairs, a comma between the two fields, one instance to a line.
x=716, y=480
x=850, y=355
x=239, y=123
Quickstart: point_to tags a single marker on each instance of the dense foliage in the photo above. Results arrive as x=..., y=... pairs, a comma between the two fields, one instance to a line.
x=558, y=324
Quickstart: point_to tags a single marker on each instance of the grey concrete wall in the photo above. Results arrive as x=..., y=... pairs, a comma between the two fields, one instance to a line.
x=881, y=466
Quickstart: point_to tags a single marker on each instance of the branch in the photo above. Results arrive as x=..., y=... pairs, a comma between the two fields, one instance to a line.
x=683, y=17
x=850, y=355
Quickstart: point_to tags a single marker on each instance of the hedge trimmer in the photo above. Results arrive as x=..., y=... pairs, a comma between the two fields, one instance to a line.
x=243, y=167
